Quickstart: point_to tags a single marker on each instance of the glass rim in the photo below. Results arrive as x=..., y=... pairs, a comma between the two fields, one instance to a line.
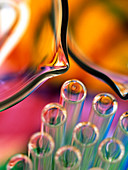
x=122, y=148
x=51, y=106
x=120, y=119
x=114, y=103
x=50, y=139
x=71, y=101
x=79, y=125
x=25, y=157
x=72, y=148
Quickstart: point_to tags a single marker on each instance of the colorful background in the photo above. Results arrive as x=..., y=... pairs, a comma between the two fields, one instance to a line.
x=19, y=122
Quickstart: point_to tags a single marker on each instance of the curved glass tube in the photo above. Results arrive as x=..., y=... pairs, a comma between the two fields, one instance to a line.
x=110, y=154
x=68, y=158
x=97, y=41
x=29, y=56
x=40, y=150
x=19, y=162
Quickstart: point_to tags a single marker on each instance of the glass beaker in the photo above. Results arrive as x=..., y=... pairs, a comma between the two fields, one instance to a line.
x=98, y=39
x=32, y=46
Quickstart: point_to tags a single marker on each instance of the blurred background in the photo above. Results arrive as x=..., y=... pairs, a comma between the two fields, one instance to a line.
x=19, y=122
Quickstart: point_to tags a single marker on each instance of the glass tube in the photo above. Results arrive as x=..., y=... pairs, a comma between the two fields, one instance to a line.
x=110, y=154
x=104, y=107
x=54, y=118
x=72, y=97
x=85, y=136
x=68, y=158
x=40, y=150
x=121, y=133
x=19, y=162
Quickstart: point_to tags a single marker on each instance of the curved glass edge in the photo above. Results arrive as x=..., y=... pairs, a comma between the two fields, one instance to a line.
x=41, y=78
x=97, y=74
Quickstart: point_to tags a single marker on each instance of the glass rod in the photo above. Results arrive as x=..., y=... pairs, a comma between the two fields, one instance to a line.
x=72, y=97
x=104, y=107
x=110, y=154
x=68, y=158
x=85, y=136
x=40, y=150
x=19, y=162
x=54, y=117
x=121, y=133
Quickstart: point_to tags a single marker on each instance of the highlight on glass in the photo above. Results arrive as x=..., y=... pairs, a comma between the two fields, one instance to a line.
x=68, y=157
x=121, y=133
x=104, y=107
x=53, y=121
x=40, y=150
x=110, y=154
x=85, y=136
x=29, y=56
x=19, y=162
x=72, y=97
